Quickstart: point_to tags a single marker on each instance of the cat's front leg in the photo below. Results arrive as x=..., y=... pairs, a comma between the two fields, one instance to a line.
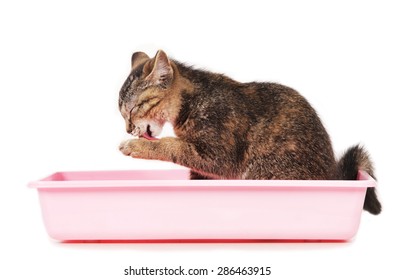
x=137, y=148
x=166, y=149
x=177, y=151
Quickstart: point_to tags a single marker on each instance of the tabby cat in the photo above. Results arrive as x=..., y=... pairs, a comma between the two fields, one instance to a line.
x=230, y=130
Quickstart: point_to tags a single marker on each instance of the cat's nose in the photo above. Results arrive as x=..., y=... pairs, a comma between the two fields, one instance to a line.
x=129, y=127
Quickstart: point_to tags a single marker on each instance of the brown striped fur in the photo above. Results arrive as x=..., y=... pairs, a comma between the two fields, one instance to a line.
x=225, y=129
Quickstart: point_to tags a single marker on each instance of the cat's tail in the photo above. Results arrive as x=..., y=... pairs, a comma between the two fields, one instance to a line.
x=354, y=159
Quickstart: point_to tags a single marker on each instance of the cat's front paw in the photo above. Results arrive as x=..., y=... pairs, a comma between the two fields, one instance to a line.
x=136, y=148
x=125, y=147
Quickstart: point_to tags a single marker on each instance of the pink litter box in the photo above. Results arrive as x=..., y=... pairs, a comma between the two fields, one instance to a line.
x=166, y=205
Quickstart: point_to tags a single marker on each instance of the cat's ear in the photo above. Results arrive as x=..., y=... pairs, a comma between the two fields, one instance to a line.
x=138, y=58
x=162, y=72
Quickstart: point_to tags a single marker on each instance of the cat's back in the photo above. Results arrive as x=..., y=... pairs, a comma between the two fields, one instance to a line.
x=268, y=130
x=276, y=127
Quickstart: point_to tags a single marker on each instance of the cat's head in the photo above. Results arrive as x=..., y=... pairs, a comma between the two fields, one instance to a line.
x=142, y=94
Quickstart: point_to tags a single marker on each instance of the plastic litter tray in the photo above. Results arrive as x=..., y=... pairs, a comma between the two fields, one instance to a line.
x=166, y=205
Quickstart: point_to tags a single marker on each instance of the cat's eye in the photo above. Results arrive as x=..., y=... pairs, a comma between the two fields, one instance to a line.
x=131, y=111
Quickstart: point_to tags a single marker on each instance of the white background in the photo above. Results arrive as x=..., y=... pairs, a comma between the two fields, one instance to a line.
x=62, y=65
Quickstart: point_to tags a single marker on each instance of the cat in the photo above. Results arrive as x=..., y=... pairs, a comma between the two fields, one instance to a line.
x=230, y=130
